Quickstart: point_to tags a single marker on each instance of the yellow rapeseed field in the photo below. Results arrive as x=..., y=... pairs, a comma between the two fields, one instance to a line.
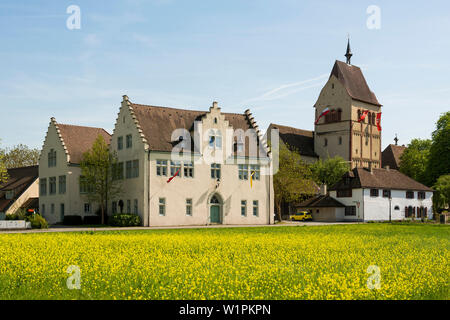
x=328, y=262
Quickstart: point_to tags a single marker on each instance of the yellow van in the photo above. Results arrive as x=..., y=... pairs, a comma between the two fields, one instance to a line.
x=301, y=216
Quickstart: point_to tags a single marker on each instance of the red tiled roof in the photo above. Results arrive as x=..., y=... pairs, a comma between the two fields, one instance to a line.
x=158, y=123
x=79, y=139
x=391, y=156
x=320, y=201
x=354, y=82
x=296, y=139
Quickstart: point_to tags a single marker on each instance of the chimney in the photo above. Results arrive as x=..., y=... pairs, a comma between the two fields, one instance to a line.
x=370, y=167
x=323, y=190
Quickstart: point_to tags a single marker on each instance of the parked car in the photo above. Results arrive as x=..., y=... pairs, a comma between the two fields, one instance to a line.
x=301, y=216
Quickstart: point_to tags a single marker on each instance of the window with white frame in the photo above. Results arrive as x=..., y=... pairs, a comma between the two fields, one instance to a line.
x=215, y=170
x=243, y=171
x=129, y=141
x=255, y=169
x=174, y=167
x=188, y=169
x=189, y=207
x=52, y=158
x=161, y=167
x=243, y=208
x=52, y=185
x=120, y=143
x=135, y=207
x=215, y=139
x=62, y=184
x=43, y=187
x=162, y=206
x=255, y=208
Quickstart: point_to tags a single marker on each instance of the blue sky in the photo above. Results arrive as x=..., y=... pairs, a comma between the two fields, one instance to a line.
x=270, y=56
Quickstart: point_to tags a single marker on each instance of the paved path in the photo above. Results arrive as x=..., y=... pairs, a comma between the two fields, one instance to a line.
x=79, y=229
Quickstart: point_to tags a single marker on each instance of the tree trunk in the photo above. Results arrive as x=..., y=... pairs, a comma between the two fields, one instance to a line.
x=279, y=210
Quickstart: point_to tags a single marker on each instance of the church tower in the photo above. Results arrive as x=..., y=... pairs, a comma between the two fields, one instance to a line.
x=344, y=100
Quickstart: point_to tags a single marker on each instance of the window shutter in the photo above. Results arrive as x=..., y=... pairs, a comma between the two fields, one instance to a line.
x=406, y=212
x=425, y=212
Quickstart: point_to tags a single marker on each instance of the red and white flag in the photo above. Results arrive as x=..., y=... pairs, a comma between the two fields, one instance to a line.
x=176, y=173
x=379, y=121
x=363, y=115
x=324, y=112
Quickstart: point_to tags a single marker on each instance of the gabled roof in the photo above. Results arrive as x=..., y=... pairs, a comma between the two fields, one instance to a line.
x=19, y=179
x=354, y=82
x=296, y=139
x=158, y=123
x=379, y=179
x=391, y=156
x=79, y=139
x=320, y=201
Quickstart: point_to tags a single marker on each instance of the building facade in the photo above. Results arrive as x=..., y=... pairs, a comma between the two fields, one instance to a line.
x=60, y=193
x=184, y=167
x=381, y=195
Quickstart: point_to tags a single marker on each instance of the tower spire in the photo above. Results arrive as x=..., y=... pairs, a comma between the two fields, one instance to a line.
x=349, y=53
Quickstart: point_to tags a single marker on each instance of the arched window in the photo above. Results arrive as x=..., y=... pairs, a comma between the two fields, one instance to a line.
x=339, y=115
x=214, y=200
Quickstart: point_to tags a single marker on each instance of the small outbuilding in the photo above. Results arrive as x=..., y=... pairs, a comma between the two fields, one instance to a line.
x=323, y=208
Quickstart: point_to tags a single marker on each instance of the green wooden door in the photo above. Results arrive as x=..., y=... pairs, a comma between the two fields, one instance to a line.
x=215, y=214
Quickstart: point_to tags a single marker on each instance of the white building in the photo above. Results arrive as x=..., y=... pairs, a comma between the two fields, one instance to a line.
x=59, y=171
x=382, y=194
x=20, y=191
x=211, y=152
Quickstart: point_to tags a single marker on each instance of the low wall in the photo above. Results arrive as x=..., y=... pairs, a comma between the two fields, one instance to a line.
x=14, y=224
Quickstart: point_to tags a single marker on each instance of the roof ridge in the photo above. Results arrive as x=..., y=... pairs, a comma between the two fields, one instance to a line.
x=282, y=125
x=80, y=126
x=180, y=109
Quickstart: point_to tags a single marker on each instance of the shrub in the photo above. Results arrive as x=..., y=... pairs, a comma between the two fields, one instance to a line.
x=125, y=220
x=92, y=220
x=37, y=221
x=72, y=220
x=12, y=216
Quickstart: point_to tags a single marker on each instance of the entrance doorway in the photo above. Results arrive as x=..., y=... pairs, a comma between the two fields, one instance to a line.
x=215, y=209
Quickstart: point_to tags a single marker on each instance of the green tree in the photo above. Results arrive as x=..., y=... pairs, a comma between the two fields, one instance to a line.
x=3, y=171
x=293, y=181
x=441, y=198
x=20, y=156
x=414, y=160
x=98, y=174
x=439, y=156
x=329, y=171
